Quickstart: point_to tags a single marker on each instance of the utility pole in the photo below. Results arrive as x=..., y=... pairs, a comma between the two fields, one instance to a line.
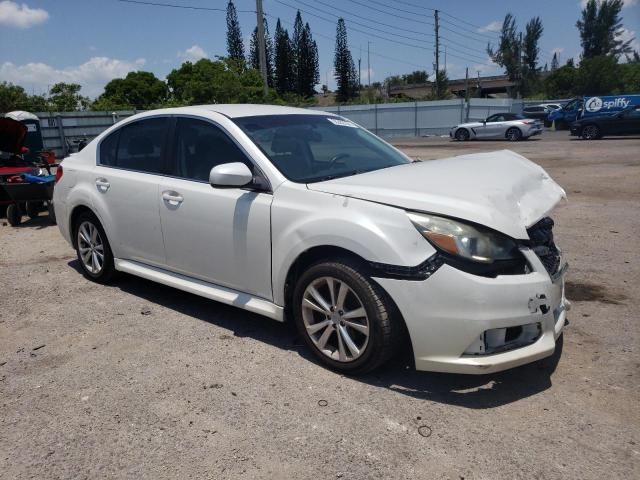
x=466, y=85
x=262, y=50
x=466, y=94
x=437, y=27
x=359, y=71
x=368, y=65
x=520, y=79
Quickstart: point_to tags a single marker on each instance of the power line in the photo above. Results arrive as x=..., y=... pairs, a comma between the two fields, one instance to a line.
x=386, y=12
x=416, y=6
x=369, y=20
x=386, y=57
x=410, y=45
x=185, y=7
x=363, y=25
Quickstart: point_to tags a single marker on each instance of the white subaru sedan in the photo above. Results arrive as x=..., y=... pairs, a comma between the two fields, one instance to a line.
x=303, y=215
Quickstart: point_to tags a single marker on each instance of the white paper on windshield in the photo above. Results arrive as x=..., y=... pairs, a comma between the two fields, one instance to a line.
x=342, y=123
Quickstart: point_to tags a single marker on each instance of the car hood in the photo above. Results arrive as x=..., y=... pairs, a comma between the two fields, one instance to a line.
x=501, y=190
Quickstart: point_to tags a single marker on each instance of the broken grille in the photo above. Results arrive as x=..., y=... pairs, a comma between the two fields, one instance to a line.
x=541, y=235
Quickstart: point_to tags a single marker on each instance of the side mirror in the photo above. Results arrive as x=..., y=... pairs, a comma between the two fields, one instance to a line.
x=229, y=175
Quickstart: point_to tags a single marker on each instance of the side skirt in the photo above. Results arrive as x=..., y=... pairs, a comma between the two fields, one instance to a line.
x=204, y=289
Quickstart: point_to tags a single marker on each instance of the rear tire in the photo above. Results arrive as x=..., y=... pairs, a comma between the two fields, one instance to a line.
x=33, y=209
x=93, y=249
x=462, y=135
x=513, y=134
x=353, y=330
x=590, y=132
x=14, y=215
x=52, y=212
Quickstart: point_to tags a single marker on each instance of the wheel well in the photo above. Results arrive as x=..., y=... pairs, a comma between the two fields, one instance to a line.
x=77, y=211
x=333, y=253
x=314, y=255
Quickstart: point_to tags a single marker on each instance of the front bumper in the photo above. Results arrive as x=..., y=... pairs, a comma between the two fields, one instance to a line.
x=448, y=313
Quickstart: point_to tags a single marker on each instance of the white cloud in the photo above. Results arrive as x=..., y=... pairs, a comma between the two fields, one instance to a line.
x=626, y=34
x=93, y=74
x=494, y=26
x=21, y=16
x=193, y=53
x=557, y=50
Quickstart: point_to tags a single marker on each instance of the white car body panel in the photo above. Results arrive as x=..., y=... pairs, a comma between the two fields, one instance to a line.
x=218, y=235
x=237, y=246
x=502, y=190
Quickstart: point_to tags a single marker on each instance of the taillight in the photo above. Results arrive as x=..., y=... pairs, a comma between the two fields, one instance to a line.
x=58, y=173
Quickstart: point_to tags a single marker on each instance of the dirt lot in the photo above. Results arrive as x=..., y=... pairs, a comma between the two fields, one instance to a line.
x=137, y=380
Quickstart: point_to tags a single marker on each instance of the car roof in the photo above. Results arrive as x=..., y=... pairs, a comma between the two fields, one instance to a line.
x=237, y=110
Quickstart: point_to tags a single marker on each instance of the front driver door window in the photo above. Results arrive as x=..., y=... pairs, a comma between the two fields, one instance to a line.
x=220, y=235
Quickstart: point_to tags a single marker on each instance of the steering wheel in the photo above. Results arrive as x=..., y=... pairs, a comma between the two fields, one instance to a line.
x=335, y=159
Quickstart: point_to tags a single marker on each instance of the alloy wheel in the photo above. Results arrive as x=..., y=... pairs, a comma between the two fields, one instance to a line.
x=590, y=132
x=513, y=134
x=91, y=247
x=335, y=319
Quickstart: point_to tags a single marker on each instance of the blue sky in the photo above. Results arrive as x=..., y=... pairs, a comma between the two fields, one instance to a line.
x=93, y=41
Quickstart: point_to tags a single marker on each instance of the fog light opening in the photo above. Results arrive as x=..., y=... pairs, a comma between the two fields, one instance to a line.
x=499, y=340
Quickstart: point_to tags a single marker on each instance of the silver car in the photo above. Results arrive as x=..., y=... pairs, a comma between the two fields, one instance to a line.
x=509, y=126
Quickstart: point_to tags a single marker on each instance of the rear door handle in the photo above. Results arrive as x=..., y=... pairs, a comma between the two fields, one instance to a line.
x=102, y=184
x=172, y=198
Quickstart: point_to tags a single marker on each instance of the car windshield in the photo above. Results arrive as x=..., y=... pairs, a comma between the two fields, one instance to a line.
x=313, y=148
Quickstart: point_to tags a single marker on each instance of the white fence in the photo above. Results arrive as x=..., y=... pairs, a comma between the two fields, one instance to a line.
x=416, y=119
x=387, y=120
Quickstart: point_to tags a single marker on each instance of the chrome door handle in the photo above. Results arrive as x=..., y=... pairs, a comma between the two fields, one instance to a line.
x=173, y=198
x=102, y=184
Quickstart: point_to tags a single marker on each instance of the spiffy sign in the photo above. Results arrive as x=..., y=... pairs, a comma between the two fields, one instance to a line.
x=595, y=104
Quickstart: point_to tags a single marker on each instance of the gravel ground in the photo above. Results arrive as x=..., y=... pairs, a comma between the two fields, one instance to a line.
x=137, y=380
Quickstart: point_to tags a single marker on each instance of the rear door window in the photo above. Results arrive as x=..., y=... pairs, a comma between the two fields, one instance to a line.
x=137, y=146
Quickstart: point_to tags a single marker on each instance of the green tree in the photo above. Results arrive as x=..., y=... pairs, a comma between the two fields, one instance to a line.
x=554, y=62
x=235, y=46
x=254, y=53
x=600, y=27
x=141, y=90
x=507, y=54
x=560, y=83
x=219, y=81
x=12, y=97
x=344, y=68
x=530, y=49
x=629, y=76
x=597, y=76
x=443, y=86
x=65, y=97
x=305, y=58
x=284, y=76
x=417, y=76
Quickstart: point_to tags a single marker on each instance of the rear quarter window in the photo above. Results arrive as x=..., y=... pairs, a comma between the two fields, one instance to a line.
x=108, y=149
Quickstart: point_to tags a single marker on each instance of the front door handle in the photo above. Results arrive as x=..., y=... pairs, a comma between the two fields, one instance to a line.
x=172, y=198
x=102, y=184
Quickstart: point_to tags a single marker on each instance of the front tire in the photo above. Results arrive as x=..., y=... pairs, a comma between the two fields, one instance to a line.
x=462, y=135
x=348, y=321
x=590, y=132
x=14, y=215
x=514, y=134
x=93, y=249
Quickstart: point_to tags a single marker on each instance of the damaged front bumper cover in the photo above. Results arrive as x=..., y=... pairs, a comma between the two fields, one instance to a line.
x=464, y=323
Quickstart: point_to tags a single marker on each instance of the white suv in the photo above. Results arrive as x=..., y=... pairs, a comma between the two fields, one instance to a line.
x=302, y=214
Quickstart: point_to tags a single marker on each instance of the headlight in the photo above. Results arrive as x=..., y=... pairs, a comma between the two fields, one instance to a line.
x=464, y=240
